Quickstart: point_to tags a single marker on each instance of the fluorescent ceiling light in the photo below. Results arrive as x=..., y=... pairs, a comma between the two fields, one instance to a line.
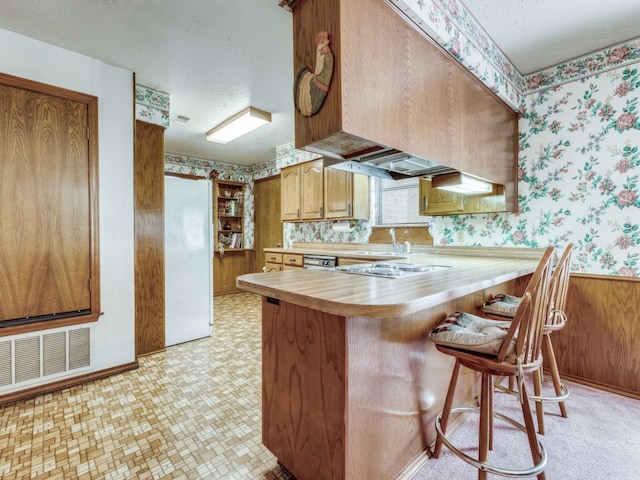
x=460, y=183
x=243, y=122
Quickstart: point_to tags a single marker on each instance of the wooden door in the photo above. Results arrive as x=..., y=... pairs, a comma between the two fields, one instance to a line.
x=48, y=245
x=268, y=227
x=290, y=193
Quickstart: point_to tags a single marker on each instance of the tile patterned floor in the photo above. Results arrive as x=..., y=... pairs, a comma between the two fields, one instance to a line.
x=191, y=412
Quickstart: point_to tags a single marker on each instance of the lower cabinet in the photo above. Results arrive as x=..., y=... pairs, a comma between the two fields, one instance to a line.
x=227, y=267
x=275, y=262
x=292, y=262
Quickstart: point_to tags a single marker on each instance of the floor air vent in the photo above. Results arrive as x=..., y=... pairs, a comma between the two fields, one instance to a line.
x=45, y=356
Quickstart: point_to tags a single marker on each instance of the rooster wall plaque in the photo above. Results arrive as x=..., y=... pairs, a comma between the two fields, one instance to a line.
x=311, y=88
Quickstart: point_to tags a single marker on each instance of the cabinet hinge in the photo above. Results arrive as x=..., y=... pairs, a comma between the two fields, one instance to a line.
x=88, y=134
x=89, y=283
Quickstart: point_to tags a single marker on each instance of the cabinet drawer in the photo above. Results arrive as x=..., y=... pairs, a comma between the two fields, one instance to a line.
x=273, y=267
x=273, y=257
x=291, y=267
x=293, y=260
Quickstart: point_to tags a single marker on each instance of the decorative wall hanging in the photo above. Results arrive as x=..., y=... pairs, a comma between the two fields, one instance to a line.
x=310, y=88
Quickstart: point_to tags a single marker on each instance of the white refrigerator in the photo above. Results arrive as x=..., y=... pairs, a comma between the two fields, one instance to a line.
x=188, y=259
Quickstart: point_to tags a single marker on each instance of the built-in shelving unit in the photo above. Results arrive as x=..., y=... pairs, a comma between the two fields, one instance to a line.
x=228, y=214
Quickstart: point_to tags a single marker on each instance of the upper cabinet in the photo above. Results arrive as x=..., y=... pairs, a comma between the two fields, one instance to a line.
x=346, y=195
x=311, y=197
x=394, y=87
x=301, y=192
x=435, y=202
x=311, y=192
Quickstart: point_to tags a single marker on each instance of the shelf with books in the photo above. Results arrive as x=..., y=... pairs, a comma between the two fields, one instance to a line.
x=229, y=215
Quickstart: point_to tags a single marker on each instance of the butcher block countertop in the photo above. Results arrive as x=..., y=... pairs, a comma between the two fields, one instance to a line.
x=339, y=293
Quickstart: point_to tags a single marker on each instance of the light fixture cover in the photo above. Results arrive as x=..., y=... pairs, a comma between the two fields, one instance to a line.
x=243, y=122
x=459, y=182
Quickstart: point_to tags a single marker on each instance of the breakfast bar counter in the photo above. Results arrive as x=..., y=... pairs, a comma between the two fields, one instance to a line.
x=350, y=384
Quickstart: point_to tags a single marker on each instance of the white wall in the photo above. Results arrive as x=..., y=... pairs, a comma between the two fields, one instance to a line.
x=114, y=339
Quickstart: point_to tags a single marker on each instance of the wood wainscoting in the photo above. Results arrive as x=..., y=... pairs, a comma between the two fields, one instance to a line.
x=600, y=345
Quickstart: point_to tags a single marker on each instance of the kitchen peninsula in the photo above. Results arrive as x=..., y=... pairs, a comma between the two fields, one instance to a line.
x=350, y=384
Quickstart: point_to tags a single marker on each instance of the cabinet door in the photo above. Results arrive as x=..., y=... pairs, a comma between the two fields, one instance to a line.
x=272, y=267
x=312, y=199
x=439, y=202
x=338, y=189
x=346, y=195
x=290, y=193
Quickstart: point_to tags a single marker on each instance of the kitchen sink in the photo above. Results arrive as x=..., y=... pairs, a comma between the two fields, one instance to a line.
x=390, y=269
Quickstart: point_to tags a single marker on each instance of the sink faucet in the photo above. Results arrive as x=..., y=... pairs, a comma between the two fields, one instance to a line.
x=392, y=232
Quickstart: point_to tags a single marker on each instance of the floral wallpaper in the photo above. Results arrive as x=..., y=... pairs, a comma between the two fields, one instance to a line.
x=578, y=177
x=578, y=159
x=152, y=106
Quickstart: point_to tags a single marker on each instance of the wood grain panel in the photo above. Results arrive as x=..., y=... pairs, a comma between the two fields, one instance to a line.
x=48, y=204
x=303, y=389
x=149, y=238
x=309, y=19
x=600, y=343
x=268, y=226
x=353, y=397
x=395, y=91
x=228, y=267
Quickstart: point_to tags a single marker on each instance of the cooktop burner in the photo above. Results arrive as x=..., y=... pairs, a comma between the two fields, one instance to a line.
x=390, y=269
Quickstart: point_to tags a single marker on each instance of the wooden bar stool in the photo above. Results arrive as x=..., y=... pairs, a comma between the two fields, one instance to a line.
x=505, y=349
x=502, y=307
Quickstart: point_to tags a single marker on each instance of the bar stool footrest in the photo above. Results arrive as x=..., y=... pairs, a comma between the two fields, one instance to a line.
x=537, y=398
x=529, y=472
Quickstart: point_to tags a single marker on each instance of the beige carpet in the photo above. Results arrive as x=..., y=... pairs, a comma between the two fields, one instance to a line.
x=600, y=439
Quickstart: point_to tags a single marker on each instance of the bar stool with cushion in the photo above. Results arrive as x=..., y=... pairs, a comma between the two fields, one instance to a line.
x=506, y=349
x=502, y=307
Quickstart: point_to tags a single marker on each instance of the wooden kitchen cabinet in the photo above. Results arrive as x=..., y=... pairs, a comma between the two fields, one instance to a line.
x=272, y=267
x=276, y=262
x=346, y=195
x=422, y=102
x=311, y=192
x=292, y=261
x=302, y=196
x=435, y=202
x=228, y=221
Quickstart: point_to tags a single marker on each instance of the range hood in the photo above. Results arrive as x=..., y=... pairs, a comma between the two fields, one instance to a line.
x=391, y=164
x=376, y=160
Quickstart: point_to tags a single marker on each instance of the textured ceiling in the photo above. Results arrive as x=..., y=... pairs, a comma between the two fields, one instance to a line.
x=535, y=34
x=216, y=57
